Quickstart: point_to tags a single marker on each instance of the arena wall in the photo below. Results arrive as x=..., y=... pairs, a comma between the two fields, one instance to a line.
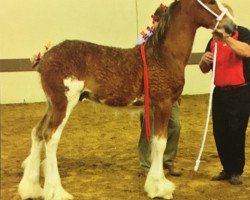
x=26, y=27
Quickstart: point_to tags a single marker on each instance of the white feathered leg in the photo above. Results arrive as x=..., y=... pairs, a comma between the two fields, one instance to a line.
x=53, y=189
x=29, y=187
x=156, y=184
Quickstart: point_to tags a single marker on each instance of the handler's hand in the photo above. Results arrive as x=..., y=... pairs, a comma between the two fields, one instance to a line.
x=217, y=36
x=207, y=58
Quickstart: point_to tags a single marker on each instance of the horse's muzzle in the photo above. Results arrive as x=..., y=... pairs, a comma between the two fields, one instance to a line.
x=230, y=27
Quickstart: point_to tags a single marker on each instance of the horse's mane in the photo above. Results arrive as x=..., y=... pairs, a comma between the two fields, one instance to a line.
x=164, y=19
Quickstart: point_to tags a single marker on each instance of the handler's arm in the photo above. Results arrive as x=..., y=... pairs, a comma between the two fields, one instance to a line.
x=206, y=61
x=240, y=48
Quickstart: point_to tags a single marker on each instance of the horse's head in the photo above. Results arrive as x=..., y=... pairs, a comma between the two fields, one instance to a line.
x=211, y=14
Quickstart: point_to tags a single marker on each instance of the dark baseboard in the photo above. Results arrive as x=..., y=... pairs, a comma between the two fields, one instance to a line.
x=15, y=65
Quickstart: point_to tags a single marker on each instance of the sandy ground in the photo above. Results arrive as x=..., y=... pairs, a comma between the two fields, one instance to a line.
x=98, y=159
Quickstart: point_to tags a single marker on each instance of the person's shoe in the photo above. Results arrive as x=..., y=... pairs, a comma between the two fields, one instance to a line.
x=235, y=179
x=222, y=176
x=172, y=171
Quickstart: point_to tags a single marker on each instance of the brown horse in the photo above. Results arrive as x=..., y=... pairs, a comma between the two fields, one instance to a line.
x=115, y=77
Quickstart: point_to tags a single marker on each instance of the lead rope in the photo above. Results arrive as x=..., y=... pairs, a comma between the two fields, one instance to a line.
x=146, y=92
x=197, y=163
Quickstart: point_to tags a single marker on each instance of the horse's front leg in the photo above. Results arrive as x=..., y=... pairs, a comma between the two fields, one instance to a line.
x=156, y=184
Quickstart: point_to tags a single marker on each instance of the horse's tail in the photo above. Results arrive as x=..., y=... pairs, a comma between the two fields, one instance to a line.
x=36, y=58
x=88, y=95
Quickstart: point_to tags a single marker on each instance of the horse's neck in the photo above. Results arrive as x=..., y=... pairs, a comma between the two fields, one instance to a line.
x=180, y=38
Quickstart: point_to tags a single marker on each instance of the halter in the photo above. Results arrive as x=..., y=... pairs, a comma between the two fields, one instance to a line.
x=218, y=17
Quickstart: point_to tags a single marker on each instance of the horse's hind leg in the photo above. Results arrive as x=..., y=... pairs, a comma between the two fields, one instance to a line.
x=61, y=111
x=29, y=186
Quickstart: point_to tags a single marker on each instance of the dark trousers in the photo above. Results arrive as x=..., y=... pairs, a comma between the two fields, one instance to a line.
x=230, y=113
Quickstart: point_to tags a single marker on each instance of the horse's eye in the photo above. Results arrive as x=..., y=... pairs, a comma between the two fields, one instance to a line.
x=212, y=2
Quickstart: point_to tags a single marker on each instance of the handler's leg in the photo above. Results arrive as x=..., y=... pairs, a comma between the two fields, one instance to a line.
x=238, y=116
x=144, y=146
x=220, y=130
x=170, y=152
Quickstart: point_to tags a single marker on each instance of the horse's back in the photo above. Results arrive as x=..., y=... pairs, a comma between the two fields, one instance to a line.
x=77, y=57
x=109, y=72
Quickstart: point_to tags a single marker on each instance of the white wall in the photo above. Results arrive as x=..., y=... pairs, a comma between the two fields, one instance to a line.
x=20, y=87
x=27, y=25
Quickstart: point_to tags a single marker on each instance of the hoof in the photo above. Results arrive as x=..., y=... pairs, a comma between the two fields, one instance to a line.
x=29, y=190
x=159, y=188
x=56, y=194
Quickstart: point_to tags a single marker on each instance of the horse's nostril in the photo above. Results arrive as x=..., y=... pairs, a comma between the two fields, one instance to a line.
x=235, y=27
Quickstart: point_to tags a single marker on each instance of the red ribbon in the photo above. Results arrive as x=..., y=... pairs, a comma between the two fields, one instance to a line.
x=37, y=60
x=150, y=29
x=144, y=35
x=155, y=17
x=146, y=92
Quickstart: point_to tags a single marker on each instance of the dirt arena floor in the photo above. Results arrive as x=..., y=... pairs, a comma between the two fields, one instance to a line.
x=97, y=155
